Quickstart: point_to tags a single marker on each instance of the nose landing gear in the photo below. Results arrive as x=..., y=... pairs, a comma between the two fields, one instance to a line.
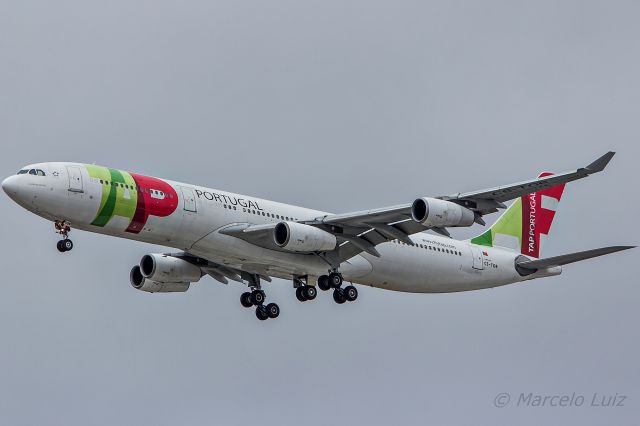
x=63, y=228
x=65, y=245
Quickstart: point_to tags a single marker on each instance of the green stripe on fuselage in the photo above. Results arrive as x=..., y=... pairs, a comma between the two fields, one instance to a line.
x=117, y=199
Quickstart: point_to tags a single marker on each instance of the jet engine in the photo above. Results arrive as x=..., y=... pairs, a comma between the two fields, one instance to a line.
x=159, y=273
x=139, y=282
x=167, y=269
x=298, y=237
x=436, y=213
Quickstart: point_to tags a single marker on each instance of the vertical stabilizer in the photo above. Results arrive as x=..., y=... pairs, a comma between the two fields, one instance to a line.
x=526, y=223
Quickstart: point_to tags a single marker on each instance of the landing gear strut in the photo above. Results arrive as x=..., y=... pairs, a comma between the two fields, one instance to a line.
x=63, y=228
x=340, y=295
x=256, y=298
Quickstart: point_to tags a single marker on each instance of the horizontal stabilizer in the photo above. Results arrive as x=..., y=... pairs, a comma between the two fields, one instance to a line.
x=600, y=163
x=534, y=265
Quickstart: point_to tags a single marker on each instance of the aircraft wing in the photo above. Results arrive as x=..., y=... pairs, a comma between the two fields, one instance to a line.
x=366, y=229
x=362, y=231
x=223, y=273
x=489, y=200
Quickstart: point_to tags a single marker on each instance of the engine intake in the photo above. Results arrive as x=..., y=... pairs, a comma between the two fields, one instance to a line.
x=139, y=282
x=168, y=269
x=436, y=213
x=298, y=237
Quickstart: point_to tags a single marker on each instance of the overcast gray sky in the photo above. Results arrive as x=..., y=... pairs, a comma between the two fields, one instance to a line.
x=339, y=106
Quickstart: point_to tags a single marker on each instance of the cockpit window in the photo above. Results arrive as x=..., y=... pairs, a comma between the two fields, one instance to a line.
x=35, y=172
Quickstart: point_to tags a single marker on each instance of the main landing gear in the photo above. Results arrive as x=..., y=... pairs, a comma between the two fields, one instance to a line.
x=256, y=298
x=340, y=295
x=63, y=228
x=304, y=291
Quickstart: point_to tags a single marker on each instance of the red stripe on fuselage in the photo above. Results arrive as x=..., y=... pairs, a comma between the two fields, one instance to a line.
x=148, y=205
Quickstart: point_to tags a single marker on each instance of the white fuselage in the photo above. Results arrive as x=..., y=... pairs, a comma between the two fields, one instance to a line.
x=67, y=191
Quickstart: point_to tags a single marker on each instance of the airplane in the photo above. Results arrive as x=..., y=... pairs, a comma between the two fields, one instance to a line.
x=233, y=237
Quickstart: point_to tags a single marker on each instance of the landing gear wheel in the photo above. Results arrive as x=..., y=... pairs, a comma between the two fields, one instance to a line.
x=309, y=292
x=323, y=282
x=257, y=297
x=338, y=296
x=350, y=293
x=273, y=310
x=64, y=245
x=67, y=244
x=245, y=299
x=261, y=313
x=300, y=294
x=335, y=279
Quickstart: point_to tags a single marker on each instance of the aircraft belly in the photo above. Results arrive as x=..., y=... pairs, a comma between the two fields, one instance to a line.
x=355, y=268
x=409, y=269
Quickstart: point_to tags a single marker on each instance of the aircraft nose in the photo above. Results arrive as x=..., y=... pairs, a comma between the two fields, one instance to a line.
x=10, y=185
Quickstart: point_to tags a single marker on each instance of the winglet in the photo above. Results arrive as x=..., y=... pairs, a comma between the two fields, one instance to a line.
x=600, y=163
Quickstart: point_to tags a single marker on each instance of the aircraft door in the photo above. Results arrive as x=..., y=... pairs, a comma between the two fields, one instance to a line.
x=189, y=197
x=477, y=258
x=75, y=179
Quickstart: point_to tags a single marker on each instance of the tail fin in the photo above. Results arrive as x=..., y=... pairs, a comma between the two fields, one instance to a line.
x=526, y=223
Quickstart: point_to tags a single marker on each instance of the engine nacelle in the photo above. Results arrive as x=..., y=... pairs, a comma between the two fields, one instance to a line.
x=168, y=269
x=298, y=237
x=139, y=282
x=436, y=213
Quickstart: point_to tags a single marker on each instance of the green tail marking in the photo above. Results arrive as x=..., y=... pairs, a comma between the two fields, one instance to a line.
x=510, y=223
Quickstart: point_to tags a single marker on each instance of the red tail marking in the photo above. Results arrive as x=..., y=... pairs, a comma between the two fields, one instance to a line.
x=537, y=220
